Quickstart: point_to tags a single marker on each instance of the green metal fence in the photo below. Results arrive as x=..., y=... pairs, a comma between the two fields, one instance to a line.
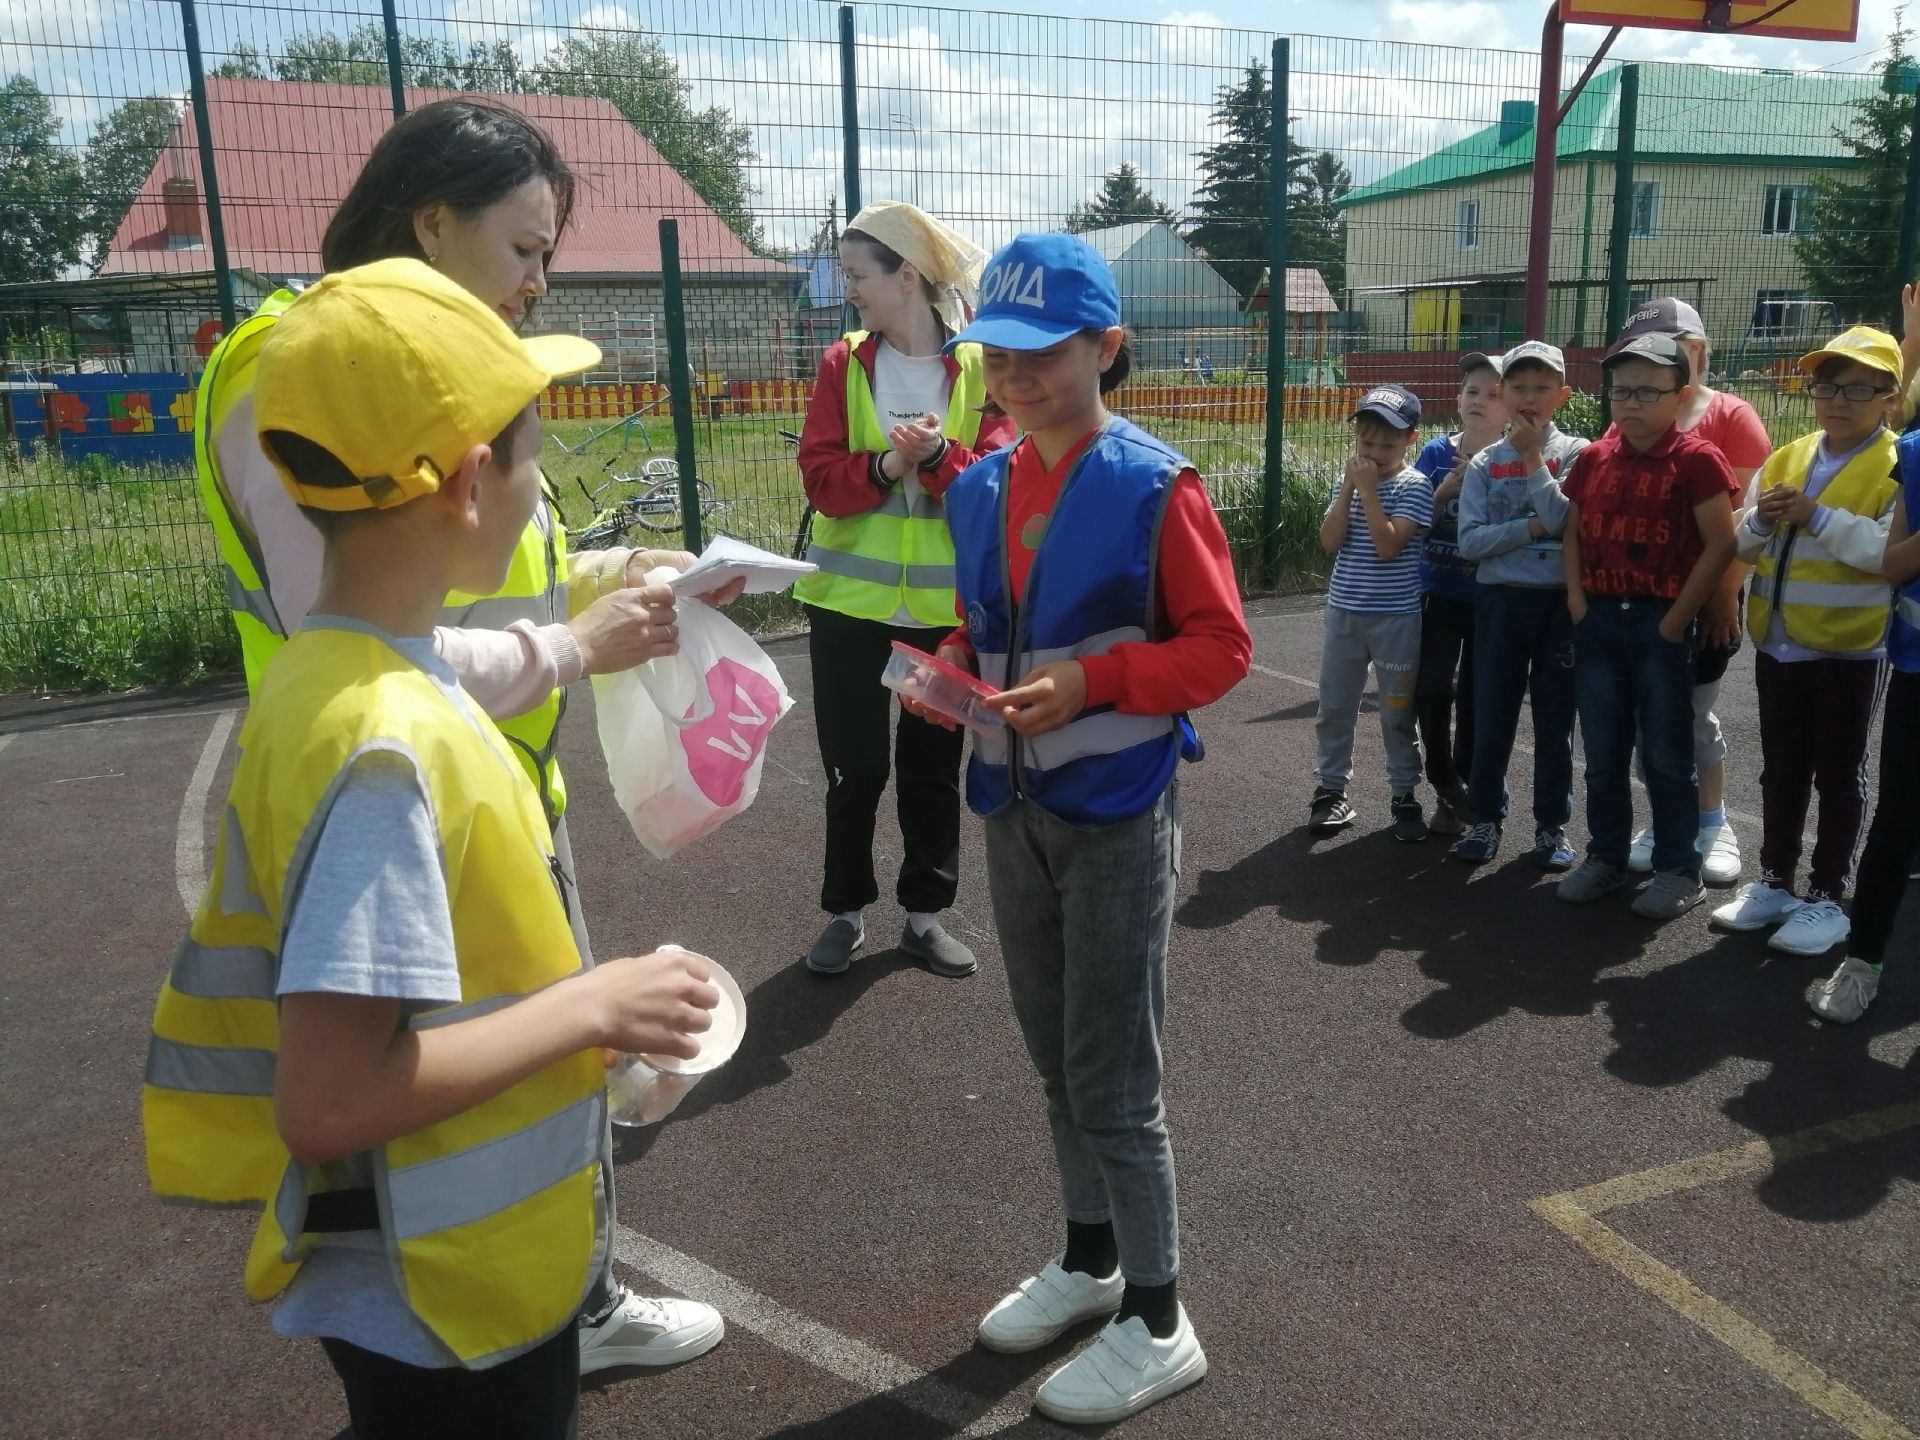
x=1388, y=183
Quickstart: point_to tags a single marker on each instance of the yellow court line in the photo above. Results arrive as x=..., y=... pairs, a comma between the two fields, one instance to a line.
x=1575, y=1214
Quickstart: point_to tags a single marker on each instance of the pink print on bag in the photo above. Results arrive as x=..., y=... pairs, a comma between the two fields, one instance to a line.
x=721, y=750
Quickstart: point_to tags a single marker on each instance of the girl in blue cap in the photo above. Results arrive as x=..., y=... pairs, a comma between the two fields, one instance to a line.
x=1097, y=590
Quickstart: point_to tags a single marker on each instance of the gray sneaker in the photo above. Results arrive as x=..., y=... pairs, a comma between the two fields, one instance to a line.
x=832, y=953
x=1593, y=879
x=1845, y=995
x=1669, y=895
x=939, y=951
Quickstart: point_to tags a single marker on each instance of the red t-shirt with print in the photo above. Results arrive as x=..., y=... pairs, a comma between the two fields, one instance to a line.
x=1638, y=536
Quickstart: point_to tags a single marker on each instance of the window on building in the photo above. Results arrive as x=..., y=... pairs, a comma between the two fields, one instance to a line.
x=1466, y=225
x=1646, y=210
x=1777, y=312
x=1783, y=208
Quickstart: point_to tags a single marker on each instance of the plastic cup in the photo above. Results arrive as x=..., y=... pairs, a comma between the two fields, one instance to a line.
x=946, y=689
x=644, y=1089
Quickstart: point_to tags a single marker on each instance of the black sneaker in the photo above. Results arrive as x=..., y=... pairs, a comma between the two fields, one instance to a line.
x=1409, y=820
x=1329, y=811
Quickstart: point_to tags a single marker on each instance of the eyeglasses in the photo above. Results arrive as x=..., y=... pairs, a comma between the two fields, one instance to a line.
x=1857, y=392
x=1639, y=394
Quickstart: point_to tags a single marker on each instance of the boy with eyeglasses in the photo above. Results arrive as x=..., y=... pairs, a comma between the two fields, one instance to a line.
x=1817, y=536
x=1649, y=533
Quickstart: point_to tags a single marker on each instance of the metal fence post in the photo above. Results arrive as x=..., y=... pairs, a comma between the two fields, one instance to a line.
x=209, y=171
x=1273, y=478
x=396, y=81
x=1620, y=241
x=1909, y=213
x=849, y=115
x=680, y=382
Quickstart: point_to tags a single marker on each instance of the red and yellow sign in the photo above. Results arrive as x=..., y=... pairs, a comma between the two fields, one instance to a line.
x=1796, y=20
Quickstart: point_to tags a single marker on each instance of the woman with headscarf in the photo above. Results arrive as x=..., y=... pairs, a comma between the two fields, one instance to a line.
x=891, y=423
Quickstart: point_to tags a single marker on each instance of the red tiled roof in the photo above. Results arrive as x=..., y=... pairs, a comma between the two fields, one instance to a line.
x=287, y=151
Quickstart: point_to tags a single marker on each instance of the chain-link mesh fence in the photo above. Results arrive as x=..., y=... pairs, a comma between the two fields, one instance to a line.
x=1773, y=202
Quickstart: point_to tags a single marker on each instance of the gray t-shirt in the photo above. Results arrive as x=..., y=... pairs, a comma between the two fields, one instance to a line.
x=369, y=916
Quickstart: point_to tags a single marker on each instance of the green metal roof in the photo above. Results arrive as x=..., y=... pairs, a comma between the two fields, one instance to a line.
x=1688, y=113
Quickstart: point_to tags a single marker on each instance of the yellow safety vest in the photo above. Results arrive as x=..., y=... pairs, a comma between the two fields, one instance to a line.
x=493, y=1219
x=874, y=563
x=536, y=587
x=1825, y=604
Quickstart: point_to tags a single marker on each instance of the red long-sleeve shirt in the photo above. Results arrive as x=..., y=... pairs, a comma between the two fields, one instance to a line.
x=1207, y=648
x=838, y=479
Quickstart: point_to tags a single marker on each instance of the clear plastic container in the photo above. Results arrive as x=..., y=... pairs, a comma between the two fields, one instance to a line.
x=930, y=681
x=644, y=1089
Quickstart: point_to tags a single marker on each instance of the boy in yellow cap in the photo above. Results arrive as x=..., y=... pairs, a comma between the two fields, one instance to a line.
x=379, y=1030
x=1816, y=536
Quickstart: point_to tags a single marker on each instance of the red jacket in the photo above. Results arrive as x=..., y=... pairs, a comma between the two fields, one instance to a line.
x=836, y=478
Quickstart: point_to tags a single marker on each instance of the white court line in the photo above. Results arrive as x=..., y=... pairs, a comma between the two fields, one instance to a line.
x=189, y=836
x=136, y=719
x=5, y=740
x=873, y=1371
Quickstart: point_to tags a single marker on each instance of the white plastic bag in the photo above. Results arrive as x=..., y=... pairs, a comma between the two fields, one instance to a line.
x=685, y=736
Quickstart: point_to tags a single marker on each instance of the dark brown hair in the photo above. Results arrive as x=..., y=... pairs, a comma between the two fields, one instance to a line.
x=464, y=154
x=1111, y=378
x=890, y=260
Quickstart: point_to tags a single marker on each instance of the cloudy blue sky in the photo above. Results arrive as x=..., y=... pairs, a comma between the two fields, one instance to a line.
x=998, y=118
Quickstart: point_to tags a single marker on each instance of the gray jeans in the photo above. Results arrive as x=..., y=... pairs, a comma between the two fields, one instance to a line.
x=1353, y=640
x=1084, y=916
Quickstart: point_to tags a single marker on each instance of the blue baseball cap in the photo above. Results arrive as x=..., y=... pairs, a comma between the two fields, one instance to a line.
x=1039, y=290
x=1395, y=404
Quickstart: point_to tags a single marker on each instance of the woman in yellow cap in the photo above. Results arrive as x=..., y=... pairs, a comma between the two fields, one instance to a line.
x=479, y=192
x=893, y=420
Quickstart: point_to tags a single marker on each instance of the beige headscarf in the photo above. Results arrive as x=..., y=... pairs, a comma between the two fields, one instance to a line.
x=942, y=255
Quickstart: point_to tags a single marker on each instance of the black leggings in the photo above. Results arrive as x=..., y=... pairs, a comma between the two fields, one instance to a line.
x=1894, y=839
x=535, y=1396
x=1443, y=706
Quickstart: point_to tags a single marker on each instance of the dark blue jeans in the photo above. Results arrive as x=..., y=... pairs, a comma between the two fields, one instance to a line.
x=1631, y=685
x=1523, y=647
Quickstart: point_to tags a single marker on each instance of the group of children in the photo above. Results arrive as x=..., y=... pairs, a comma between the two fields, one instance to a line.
x=1513, y=563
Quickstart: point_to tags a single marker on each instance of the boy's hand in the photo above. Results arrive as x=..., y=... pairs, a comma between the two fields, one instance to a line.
x=625, y=628
x=1046, y=698
x=1536, y=528
x=960, y=658
x=652, y=1004
x=1525, y=436
x=1720, y=621
x=1362, y=473
x=1673, y=629
x=1577, y=606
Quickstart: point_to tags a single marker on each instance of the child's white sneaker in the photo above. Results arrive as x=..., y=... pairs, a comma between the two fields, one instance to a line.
x=1046, y=1306
x=1719, y=854
x=1813, y=929
x=1756, y=907
x=1123, y=1372
x=1640, y=853
x=1845, y=995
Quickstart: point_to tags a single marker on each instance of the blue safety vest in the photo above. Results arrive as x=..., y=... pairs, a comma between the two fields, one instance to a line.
x=1091, y=588
x=1903, y=636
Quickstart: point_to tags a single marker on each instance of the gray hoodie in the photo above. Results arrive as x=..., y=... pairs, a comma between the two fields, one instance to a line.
x=1498, y=499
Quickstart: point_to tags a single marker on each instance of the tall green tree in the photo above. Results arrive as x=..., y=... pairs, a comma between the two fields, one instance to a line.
x=1230, y=207
x=1123, y=199
x=120, y=154
x=1848, y=241
x=1316, y=225
x=43, y=189
x=633, y=72
x=359, y=57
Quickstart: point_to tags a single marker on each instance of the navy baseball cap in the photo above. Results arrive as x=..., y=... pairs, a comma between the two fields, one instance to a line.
x=1395, y=404
x=1039, y=290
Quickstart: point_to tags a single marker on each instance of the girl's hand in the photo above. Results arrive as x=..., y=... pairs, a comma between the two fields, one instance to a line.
x=652, y=1004
x=1577, y=607
x=1788, y=504
x=960, y=658
x=1046, y=698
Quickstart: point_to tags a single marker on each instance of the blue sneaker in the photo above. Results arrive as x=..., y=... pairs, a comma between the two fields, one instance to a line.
x=1478, y=845
x=1550, y=848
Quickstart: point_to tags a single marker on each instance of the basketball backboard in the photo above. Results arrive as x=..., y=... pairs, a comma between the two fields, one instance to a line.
x=1793, y=20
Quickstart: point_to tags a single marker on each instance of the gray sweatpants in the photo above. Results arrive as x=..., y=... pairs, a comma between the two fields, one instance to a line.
x=1084, y=916
x=1353, y=640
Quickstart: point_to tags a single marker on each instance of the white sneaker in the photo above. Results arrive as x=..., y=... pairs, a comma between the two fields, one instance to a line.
x=1719, y=854
x=1756, y=907
x=1845, y=995
x=643, y=1331
x=1813, y=929
x=1640, y=853
x=1046, y=1305
x=1123, y=1372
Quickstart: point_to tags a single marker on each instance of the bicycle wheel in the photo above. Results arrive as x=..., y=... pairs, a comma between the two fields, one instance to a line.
x=657, y=508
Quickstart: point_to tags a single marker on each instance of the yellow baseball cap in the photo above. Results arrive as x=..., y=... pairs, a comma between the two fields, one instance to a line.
x=397, y=371
x=1863, y=345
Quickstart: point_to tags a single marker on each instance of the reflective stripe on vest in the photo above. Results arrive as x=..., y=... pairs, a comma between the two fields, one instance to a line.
x=494, y=1218
x=898, y=555
x=1824, y=603
x=1101, y=732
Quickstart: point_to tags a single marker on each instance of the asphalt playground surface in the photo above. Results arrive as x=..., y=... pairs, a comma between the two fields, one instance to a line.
x=1456, y=1159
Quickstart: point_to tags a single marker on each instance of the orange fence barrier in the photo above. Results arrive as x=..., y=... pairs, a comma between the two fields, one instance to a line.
x=1234, y=404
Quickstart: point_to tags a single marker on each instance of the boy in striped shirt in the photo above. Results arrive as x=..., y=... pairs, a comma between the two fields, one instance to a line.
x=1380, y=508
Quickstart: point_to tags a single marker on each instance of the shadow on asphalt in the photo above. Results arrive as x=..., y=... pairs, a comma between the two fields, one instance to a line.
x=790, y=1010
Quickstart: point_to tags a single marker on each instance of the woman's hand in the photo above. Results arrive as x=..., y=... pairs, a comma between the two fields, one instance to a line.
x=916, y=440
x=626, y=628
x=642, y=562
x=1046, y=698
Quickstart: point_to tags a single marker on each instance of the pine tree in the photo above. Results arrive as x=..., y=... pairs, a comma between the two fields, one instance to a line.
x=1849, y=246
x=1123, y=199
x=1316, y=225
x=826, y=236
x=1231, y=203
